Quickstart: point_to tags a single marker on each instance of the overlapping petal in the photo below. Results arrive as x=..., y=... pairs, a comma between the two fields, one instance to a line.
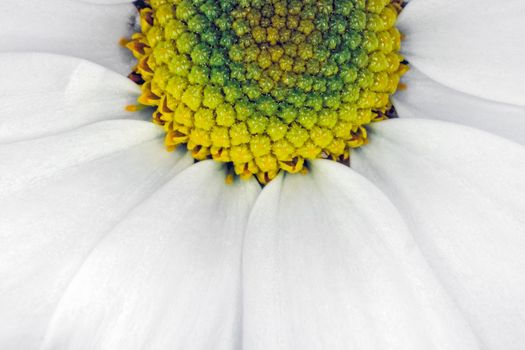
x=75, y=28
x=35, y=160
x=474, y=46
x=44, y=94
x=168, y=276
x=329, y=264
x=56, y=204
x=426, y=98
x=462, y=193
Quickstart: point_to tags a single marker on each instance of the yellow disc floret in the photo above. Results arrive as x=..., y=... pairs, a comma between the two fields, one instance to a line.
x=266, y=84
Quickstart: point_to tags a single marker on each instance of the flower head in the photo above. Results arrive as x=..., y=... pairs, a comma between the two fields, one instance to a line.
x=107, y=241
x=266, y=85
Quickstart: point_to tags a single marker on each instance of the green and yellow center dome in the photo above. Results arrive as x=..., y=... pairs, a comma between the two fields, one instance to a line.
x=266, y=84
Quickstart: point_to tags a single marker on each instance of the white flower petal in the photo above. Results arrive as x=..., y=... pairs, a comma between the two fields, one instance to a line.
x=24, y=163
x=49, y=228
x=475, y=46
x=73, y=28
x=426, y=98
x=329, y=264
x=462, y=193
x=107, y=2
x=43, y=94
x=168, y=277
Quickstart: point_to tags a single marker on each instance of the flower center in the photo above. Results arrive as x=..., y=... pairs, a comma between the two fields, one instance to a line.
x=266, y=84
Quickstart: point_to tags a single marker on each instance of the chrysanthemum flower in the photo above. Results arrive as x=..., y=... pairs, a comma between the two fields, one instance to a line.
x=409, y=234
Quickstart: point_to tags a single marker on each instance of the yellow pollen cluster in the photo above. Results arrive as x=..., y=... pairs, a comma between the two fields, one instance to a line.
x=266, y=84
